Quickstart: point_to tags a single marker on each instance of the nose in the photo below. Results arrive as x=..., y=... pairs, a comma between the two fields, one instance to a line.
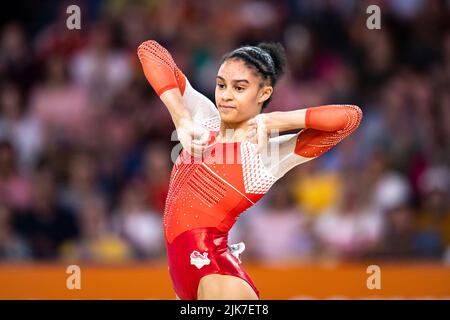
x=227, y=95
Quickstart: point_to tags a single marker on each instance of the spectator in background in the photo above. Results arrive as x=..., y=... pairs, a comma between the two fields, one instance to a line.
x=138, y=224
x=62, y=107
x=391, y=190
x=315, y=189
x=16, y=125
x=101, y=68
x=397, y=241
x=97, y=242
x=46, y=224
x=81, y=182
x=12, y=246
x=349, y=229
x=433, y=218
x=16, y=57
x=15, y=188
x=290, y=237
x=76, y=114
x=156, y=172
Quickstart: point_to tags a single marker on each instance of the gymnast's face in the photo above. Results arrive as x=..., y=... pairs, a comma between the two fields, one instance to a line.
x=240, y=92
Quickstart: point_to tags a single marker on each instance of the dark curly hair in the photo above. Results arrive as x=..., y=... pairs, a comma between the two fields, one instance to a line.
x=267, y=58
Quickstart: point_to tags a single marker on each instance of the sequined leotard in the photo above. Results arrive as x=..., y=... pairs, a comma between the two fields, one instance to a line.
x=206, y=197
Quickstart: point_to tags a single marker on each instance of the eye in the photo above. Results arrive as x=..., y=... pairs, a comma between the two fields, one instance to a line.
x=220, y=85
x=239, y=89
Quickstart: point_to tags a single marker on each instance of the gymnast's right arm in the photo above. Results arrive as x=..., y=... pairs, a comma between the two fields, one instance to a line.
x=191, y=112
x=174, y=89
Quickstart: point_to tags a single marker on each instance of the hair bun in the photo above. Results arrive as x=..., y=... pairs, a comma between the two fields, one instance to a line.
x=278, y=54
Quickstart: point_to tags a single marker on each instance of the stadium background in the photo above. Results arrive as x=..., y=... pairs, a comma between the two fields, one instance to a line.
x=85, y=146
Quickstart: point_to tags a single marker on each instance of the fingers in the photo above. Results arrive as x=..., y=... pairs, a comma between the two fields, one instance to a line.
x=252, y=124
x=194, y=148
x=196, y=140
x=252, y=130
x=261, y=133
x=200, y=139
x=200, y=136
x=197, y=151
x=257, y=132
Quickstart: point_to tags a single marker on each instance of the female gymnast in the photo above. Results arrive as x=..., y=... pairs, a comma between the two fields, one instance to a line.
x=229, y=160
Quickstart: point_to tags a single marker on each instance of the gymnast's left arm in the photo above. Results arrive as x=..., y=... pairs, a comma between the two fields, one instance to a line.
x=323, y=127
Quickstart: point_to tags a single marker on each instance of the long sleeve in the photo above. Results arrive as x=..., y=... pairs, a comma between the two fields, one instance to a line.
x=326, y=126
x=163, y=74
x=159, y=68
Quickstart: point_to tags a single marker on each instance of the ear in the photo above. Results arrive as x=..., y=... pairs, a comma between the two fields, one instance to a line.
x=265, y=93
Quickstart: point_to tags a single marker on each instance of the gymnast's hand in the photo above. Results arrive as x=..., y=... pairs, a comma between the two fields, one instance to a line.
x=257, y=132
x=193, y=137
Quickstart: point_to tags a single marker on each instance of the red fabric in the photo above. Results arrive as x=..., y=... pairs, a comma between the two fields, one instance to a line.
x=326, y=126
x=206, y=194
x=204, y=201
x=159, y=68
x=211, y=246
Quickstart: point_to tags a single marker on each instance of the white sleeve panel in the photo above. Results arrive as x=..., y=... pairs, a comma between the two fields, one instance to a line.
x=202, y=109
x=281, y=156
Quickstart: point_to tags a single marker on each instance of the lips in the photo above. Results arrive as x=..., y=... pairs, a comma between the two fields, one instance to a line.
x=225, y=107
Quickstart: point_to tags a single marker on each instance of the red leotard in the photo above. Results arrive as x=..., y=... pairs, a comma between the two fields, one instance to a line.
x=206, y=197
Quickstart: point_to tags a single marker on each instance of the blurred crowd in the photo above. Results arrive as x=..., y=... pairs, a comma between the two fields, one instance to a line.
x=85, y=143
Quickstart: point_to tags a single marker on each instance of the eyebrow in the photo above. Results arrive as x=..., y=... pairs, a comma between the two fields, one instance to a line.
x=237, y=80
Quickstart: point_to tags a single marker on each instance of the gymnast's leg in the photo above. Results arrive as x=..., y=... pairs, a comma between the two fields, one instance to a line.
x=224, y=287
